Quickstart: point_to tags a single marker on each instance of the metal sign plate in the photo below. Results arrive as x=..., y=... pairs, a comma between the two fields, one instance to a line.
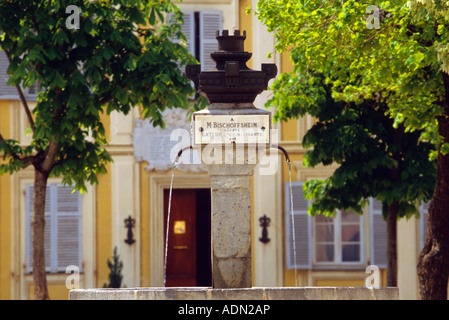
x=239, y=129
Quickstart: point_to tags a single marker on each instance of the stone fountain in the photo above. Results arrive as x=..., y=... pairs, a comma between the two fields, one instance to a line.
x=231, y=135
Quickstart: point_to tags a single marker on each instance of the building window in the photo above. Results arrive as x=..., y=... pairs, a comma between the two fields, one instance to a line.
x=200, y=28
x=62, y=237
x=337, y=240
x=10, y=92
x=320, y=241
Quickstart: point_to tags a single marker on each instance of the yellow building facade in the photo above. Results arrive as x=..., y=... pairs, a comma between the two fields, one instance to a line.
x=136, y=188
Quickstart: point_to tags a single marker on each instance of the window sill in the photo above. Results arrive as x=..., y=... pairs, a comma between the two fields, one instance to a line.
x=29, y=274
x=338, y=267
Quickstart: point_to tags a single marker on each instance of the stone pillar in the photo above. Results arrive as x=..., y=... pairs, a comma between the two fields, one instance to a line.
x=230, y=132
x=231, y=225
x=231, y=167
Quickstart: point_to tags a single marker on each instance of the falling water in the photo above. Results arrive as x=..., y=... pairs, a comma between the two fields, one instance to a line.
x=293, y=220
x=175, y=163
x=168, y=220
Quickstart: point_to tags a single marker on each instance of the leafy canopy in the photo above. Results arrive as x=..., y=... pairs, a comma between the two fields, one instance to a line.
x=121, y=56
x=374, y=158
x=365, y=86
x=399, y=64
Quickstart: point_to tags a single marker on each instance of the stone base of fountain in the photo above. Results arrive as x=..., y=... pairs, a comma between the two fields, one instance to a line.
x=266, y=293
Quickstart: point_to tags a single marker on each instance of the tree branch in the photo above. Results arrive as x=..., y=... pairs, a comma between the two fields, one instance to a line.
x=50, y=155
x=22, y=99
x=13, y=154
x=25, y=160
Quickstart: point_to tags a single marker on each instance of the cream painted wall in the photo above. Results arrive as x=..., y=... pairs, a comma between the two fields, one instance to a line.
x=125, y=203
x=267, y=184
x=408, y=245
x=6, y=276
x=125, y=195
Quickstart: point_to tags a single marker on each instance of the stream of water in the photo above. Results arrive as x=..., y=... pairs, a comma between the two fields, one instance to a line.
x=292, y=220
x=168, y=221
x=291, y=216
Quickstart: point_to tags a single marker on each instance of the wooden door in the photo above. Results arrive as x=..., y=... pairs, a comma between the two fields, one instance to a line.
x=181, y=251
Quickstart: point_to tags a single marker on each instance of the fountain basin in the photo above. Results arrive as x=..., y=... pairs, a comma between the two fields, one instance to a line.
x=256, y=293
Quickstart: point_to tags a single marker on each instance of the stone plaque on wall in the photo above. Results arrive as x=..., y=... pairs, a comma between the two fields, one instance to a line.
x=241, y=129
x=159, y=147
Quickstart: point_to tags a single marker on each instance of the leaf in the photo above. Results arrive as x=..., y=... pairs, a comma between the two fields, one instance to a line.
x=61, y=37
x=58, y=80
x=152, y=18
x=419, y=56
x=131, y=62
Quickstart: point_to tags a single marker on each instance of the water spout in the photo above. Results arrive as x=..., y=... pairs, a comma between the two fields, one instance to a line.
x=287, y=158
x=180, y=153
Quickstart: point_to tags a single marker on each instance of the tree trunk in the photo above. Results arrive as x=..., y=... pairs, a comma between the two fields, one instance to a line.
x=433, y=262
x=37, y=236
x=392, y=213
x=392, y=254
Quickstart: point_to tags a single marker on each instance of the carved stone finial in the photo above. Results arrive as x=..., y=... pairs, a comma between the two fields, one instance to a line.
x=231, y=81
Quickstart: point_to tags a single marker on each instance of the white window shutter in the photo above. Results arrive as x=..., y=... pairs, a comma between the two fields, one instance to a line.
x=424, y=212
x=62, y=235
x=28, y=214
x=68, y=225
x=5, y=90
x=50, y=228
x=29, y=189
x=49, y=253
x=188, y=28
x=378, y=234
x=210, y=23
x=298, y=225
x=34, y=89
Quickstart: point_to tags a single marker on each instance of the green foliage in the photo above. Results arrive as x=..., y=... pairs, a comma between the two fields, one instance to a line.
x=122, y=56
x=361, y=140
x=376, y=95
x=115, y=275
x=399, y=64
